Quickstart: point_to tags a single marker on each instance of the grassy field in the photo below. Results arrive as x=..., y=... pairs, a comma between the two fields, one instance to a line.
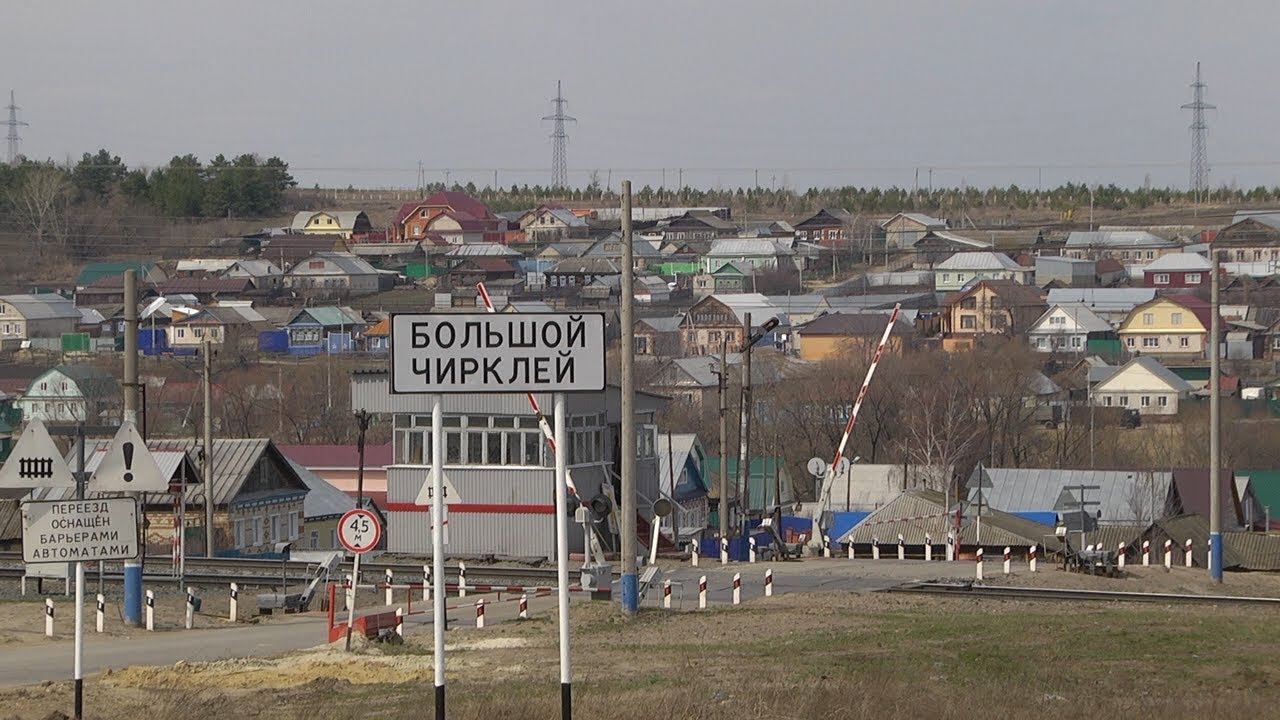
x=830, y=656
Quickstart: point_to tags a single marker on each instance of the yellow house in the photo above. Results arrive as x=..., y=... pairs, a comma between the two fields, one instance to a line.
x=343, y=223
x=1174, y=326
x=838, y=335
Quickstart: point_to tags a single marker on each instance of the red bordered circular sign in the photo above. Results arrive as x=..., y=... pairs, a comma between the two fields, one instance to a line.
x=359, y=531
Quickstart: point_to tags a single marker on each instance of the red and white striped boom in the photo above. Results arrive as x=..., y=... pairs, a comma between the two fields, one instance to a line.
x=825, y=496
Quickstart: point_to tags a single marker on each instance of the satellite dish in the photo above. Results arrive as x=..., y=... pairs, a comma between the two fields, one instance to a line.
x=842, y=467
x=662, y=507
x=817, y=467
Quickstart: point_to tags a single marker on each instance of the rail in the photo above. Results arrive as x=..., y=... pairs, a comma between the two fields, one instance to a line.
x=970, y=590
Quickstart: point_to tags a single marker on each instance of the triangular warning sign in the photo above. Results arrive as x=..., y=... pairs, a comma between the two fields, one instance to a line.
x=128, y=465
x=35, y=461
x=450, y=492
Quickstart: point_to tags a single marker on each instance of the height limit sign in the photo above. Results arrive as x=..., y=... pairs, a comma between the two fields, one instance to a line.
x=497, y=352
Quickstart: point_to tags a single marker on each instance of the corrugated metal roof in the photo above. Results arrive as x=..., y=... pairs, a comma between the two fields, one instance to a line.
x=10, y=520
x=1110, y=537
x=344, y=263
x=959, y=239
x=45, y=306
x=746, y=248
x=1116, y=239
x=323, y=500
x=1123, y=494
x=1180, y=261
x=978, y=261
x=1103, y=299
x=1086, y=320
x=915, y=513
x=1152, y=366
x=483, y=249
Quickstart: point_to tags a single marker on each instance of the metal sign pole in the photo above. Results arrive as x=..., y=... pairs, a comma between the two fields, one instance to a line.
x=438, y=619
x=77, y=671
x=351, y=599
x=562, y=560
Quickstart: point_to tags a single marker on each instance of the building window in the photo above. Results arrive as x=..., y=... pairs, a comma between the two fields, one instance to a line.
x=1145, y=401
x=182, y=332
x=968, y=322
x=1130, y=342
x=239, y=532
x=1075, y=341
x=1175, y=319
x=316, y=265
x=1148, y=319
x=1057, y=320
x=1040, y=343
x=1162, y=401
x=1162, y=278
x=277, y=532
x=315, y=539
x=946, y=278
x=642, y=345
x=1106, y=400
x=1151, y=254
x=1184, y=341
x=1124, y=401
x=1150, y=342
x=258, y=529
x=1192, y=278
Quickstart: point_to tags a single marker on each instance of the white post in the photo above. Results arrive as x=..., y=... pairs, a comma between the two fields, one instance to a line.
x=390, y=593
x=1008, y=559
x=702, y=593
x=737, y=588
x=768, y=582
x=1146, y=553
x=426, y=583
x=693, y=557
x=351, y=595
x=978, y=566
x=562, y=544
x=234, y=613
x=1186, y=554
x=928, y=547
x=400, y=622
x=724, y=550
x=666, y=594
x=524, y=607
x=462, y=579
x=438, y=616
x=951, y=548
x=1031, y=557
x=480, y=614
x=191, y=607
x=751, y=542
x=826, y=546
x=151, y=610
x=1120, y=556
x=1168, y=554
x=48, y=617
x=102, y=611
x=875, y=548
x=902, y=548
x=849, y=548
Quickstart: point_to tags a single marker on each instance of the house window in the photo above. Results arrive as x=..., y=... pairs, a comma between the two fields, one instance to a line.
x=1145, y=401
x=1057, y=320
x=959, y=277
x=294, y=523
x=44, y=386
x=1275, y=342
x=1124, y=401
x=258, y=528
x=946, y=277
x=1041, y=344
x=1106, y=400
x=1151, y=254
x=1125, y=254
x=199, y=332
x=999, y=321
x=1148, y=319
x=182, y=333
x=1184, y=341
x=968, y=322
x=1129, y=341
x=1192, y=278
x=316, y=265
x=1175, y=319
x=239, y=532
x=1075, y=341
x=1162, y=401
x=1150, y=342
x=277, y=532
x=1162, y=278
x=642, y=345
x=315, y=539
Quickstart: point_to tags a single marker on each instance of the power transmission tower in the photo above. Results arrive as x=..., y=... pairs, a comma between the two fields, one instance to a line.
x=559, y=138
x=14, y=123
x=1199, y=135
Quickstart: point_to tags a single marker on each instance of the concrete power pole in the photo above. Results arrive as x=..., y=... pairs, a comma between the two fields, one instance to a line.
x=724, y=438
x=132, y=568
x=629, y=584
x=1215, y=428
x=744, y=422
x=206, y=465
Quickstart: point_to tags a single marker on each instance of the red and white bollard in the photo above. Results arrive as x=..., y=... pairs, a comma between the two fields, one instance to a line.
x=928, y=547
x=875, y=548
x=1008, y=559
x=848, y=548
x=524, y=607
x=480, y=614
x=1120, y=553
x=737, y=588
x=977, y=573
x=1031, y=557
x=751, y=544
x=1186, y=554
x=1146, y=553
x=400, y=622
x=390, y=594
x=102, y=611
x=702, y=593
x=48, y=617
x=826, y=546
x=1168, y=554
x=233, y=610
x=902, y=548
x=768, y=582
x=462, y=579
x=693, y=557
x=724, y=551
x=151, y=610
x=666, y=594
x=426, y=583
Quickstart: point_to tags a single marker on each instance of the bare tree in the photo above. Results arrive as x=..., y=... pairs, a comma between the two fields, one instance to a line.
x=40, y=203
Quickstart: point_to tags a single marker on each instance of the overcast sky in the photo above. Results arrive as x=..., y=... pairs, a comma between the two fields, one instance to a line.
x=808, y=92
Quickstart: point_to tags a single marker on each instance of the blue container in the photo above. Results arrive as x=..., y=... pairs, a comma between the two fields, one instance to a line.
x=273, y=341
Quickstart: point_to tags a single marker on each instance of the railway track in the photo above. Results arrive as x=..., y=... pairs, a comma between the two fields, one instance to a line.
x=970, y=590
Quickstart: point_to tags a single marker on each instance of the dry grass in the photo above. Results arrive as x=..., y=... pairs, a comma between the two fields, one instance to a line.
x=833, y=655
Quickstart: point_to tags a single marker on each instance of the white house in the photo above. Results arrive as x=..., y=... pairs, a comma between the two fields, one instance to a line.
x=1066, y=328
x=71, y=393
x=32, y=316
x=963, y=268
x=333, y=272
x=1142, y=383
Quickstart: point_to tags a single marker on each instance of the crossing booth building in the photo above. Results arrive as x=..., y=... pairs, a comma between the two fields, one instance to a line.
x=501, y=467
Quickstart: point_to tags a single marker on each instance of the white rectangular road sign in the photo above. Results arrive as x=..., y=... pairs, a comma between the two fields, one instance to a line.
x=497, y=352
x=71, y=530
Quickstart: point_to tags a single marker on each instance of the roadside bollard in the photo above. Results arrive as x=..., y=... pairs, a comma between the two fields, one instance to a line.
x=48, y=617
x=191, y=607
x=768, y=582
x=693, y=557
x=737, y=588
x=1008, y=559
x=1168, y=554
x=751, y=542
x=1146, y=553
x=724, y=551
x=400, y=622
x=1031, y=557
x=928, y=547
x=480, y=614
x=875, y=548
x=426, y=583
x=1120, y=556
x=666, y=594
x=462, y=579
x=826, y=546
x=902, y=548
x=350, y=595
x=151, y=610
x=702, y=593
x=978, y=566
x=102, y=611
x=524, y=607
x=849, y=548
x=390, y=593
x=234, y=613
x=1186, y=554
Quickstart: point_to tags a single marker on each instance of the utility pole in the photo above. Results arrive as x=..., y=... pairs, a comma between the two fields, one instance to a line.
x=14, y=123
x=559, y=139
x=206, y=460
x=1215, y=427
x=1199, y=139
x=724, y=437
x=630, y=586
x=744, y=422
x=132, y=568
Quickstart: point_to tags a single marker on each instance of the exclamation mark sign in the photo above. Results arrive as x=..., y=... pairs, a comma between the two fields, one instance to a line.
x=127, y=448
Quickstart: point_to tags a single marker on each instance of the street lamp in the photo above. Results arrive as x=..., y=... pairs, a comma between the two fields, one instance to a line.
x=751, y=337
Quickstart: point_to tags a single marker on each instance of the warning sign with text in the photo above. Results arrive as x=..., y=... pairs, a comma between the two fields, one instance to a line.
x=497, y=352
x=71, y=530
